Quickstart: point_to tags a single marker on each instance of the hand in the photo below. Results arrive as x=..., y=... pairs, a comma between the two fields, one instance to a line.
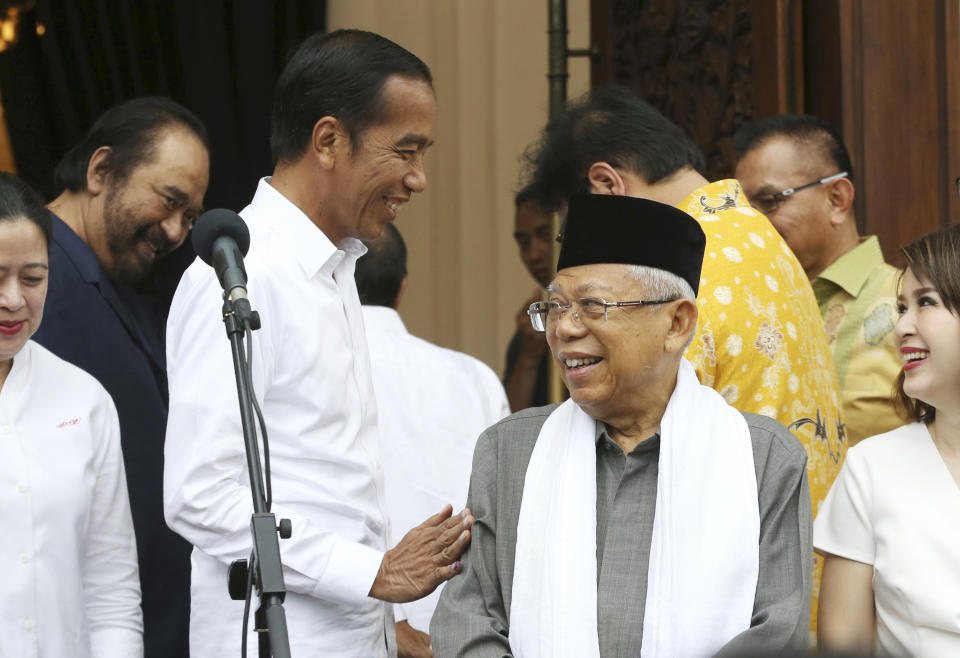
x=532, y=343
x=412, y=643
x=424, y=558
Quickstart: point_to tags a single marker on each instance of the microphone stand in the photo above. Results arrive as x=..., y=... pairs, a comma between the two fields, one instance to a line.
x=267, y=573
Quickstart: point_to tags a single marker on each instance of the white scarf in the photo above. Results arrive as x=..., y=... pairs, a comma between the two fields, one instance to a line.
x=704, y=555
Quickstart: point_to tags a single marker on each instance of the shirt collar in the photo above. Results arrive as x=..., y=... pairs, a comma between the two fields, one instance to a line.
x=383, y=318
x=714, y=197
x=78, y=251
x=601, y=436
x=310, y=246
x=852, y=270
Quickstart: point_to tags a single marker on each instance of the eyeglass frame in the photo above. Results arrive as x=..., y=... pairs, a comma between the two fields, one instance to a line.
x=535, y=313
x=778, y=197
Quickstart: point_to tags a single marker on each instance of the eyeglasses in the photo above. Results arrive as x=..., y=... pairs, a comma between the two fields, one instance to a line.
x=769, y=203
x=581, y=310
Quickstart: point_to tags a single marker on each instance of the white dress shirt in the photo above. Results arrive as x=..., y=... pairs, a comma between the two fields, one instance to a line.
x=432, y=403
x=70, y=585
x=311, y=376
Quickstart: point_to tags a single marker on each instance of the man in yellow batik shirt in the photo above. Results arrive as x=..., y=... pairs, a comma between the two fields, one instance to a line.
x=797, y=171
x=760, y=340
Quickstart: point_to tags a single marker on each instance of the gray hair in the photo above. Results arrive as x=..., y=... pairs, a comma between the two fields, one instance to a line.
x=661, y=284
x=658, y=283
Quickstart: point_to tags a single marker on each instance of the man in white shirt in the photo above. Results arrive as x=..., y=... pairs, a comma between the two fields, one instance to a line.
x=353, y=116
x=432, y=404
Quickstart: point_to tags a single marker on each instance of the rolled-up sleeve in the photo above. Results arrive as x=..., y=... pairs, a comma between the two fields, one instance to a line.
x=207, y=498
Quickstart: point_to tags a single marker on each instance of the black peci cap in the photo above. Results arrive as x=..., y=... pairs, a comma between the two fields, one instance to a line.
x=606, y=228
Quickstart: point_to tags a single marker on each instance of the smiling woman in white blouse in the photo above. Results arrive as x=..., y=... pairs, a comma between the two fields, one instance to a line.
x=70, y=585
x=890, y=527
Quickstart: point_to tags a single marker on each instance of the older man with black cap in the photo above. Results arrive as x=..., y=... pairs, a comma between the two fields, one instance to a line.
x=644, y=516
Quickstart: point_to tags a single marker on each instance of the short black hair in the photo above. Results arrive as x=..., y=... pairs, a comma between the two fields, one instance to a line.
x=381, y=270
x=526, y=195
x=802, y=128
x=131, y=130
x=19, y=201
x=613, y=125
x=340, y=74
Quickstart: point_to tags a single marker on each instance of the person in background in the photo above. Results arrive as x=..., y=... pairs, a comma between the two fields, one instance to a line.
x=797, y=172
x=127, y=195
x=760, y=341
x=525, y=376
x=70, y=585
x=432, y=404
x=890, y=527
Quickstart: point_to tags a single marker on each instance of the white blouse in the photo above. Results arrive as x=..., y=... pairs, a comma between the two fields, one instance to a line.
x=895, y=506
x=70, y=585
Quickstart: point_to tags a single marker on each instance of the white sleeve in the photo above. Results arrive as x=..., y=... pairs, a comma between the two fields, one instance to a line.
x=111, y=580
x=206, y=492
x=496, y=395
x=503, y=406
x=843, y=525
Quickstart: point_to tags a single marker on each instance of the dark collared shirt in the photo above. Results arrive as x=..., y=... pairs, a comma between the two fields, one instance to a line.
x=626, y=498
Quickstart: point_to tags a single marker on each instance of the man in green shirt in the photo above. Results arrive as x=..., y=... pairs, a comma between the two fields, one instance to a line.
x=796, y=171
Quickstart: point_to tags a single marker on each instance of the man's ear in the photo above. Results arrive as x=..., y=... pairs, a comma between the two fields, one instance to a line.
x=99, y=169
x=605, y=179
x=328, y=140
x=683, y=322
x=841, y=194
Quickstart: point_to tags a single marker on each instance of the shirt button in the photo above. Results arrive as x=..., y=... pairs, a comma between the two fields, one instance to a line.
x=21, y=487
x=4, y=429
x=25, y=557
x=28, y=624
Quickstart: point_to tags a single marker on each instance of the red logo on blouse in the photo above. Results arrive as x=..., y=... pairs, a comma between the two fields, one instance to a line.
x=67, y=423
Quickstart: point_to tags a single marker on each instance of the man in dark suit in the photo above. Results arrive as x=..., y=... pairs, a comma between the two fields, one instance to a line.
x=128, y=194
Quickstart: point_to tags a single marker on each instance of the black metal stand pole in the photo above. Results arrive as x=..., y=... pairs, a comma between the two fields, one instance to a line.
x=270, y=619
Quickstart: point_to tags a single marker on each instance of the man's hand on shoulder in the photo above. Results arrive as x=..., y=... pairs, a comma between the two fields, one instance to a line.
x=424, y=558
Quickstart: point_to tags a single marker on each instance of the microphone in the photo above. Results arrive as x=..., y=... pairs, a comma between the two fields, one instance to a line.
x=221, y=239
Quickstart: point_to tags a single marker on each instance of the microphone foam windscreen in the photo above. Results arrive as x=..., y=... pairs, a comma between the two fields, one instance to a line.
x=218, y=223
